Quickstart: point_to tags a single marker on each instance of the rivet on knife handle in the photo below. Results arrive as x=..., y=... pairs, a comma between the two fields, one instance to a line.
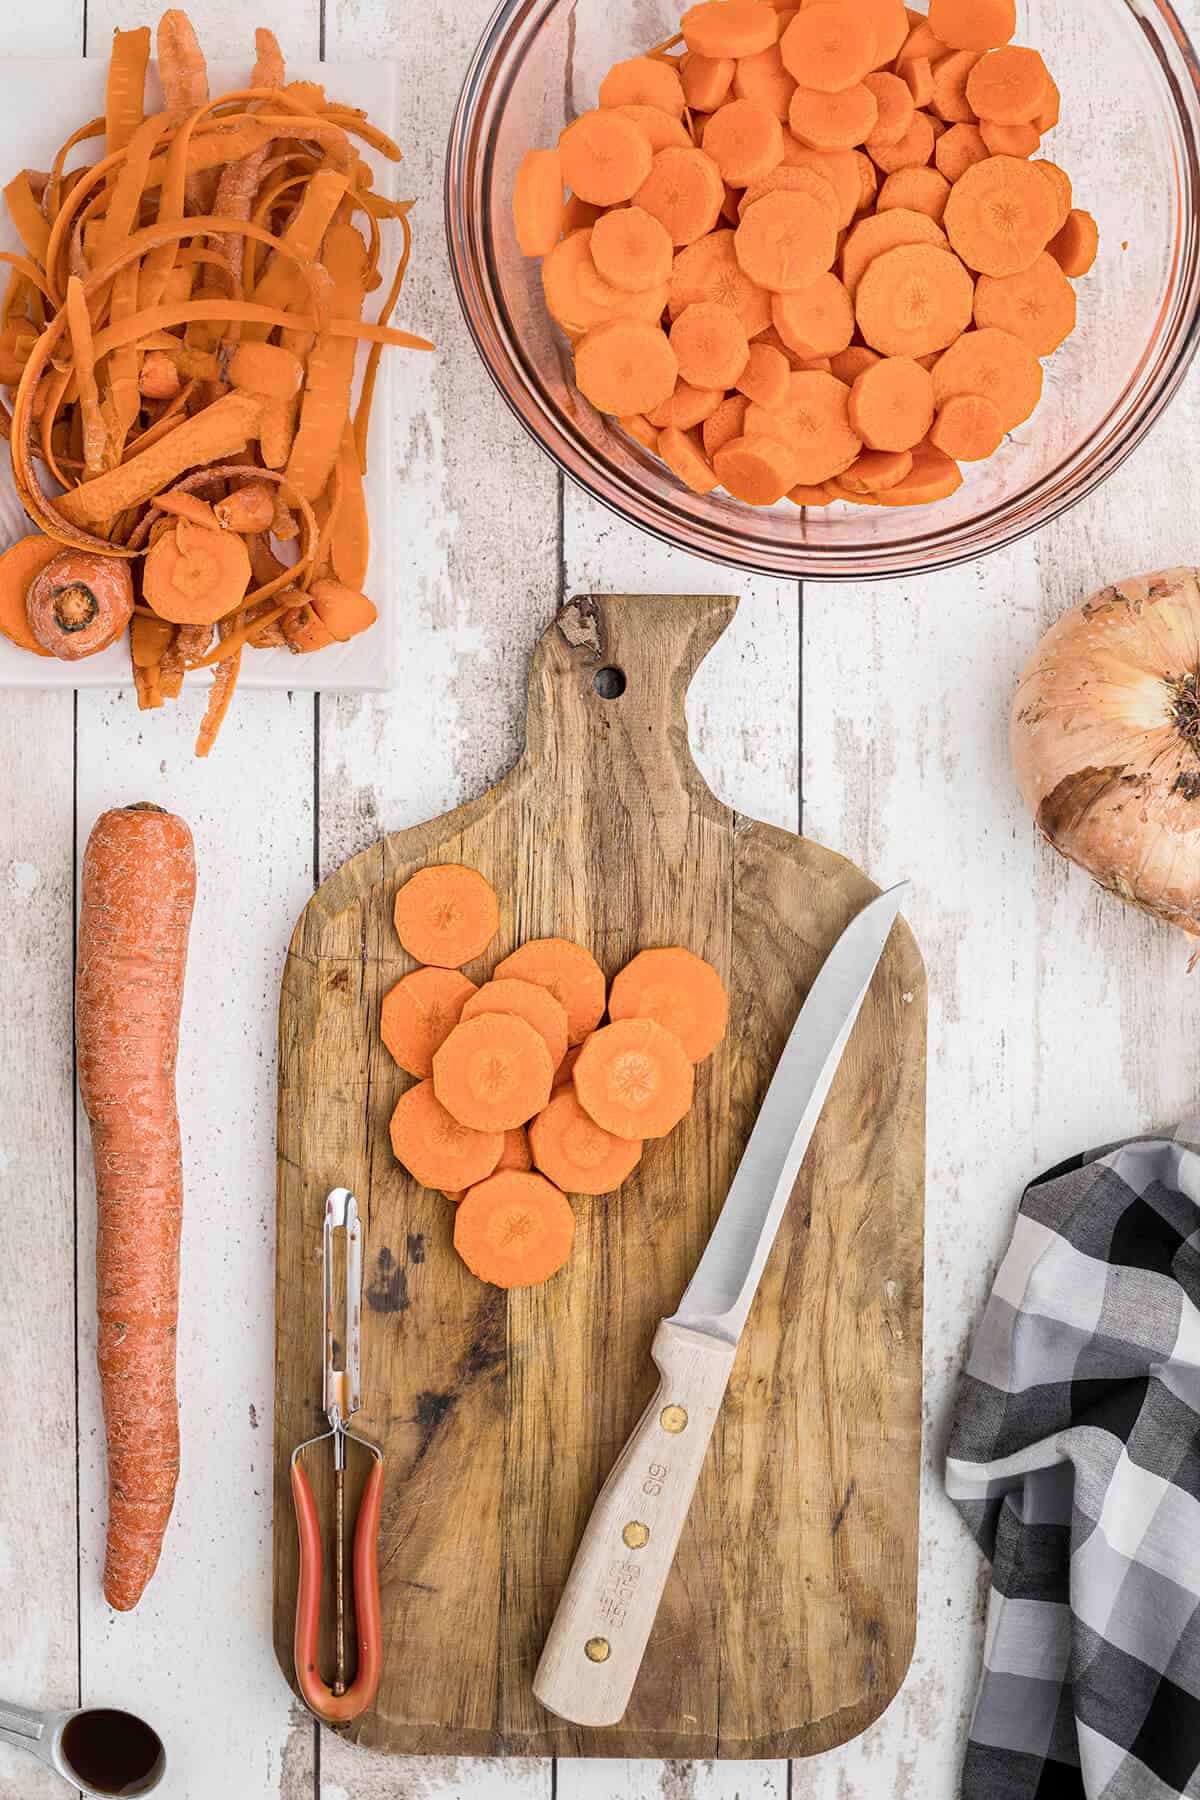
x=595, y=1645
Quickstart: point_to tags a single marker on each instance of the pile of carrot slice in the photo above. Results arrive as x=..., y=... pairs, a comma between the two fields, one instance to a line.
x=812, y=252
x=179, y=340
x=522, y=1095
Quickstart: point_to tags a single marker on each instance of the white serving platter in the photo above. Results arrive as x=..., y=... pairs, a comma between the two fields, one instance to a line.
x=44, y=100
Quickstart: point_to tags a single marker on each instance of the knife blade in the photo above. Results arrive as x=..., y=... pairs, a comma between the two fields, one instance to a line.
x=596, y=1641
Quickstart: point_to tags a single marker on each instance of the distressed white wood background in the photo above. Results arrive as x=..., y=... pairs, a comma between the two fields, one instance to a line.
x=875, y=716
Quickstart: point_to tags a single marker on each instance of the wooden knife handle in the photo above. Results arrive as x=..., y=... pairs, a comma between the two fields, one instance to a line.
x=598, y=1636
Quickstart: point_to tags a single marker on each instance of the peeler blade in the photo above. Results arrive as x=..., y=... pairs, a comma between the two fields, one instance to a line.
x=341, y=1361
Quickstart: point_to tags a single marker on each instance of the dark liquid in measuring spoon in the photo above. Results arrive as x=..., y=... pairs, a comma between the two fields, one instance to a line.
x=113, y=1752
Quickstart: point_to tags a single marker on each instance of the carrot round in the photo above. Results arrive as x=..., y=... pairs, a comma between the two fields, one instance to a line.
x=830, y=46
x=1008, y=86
x=745, y=141
x=1009, y=140
x=515, y=1155
x=973, y=24
x=514, y=1229
x=643, y=81
x=725, y=424
x=564, y=1074
x=19, y=564
x=763, y=80
x=494, y=1071
x=579, y=299
x=662, y=131
x=685, y=457
x=447, y=915
x=1075, y=246
x=525, y=1000
x=849, y=364
x=885, y=231
x=957, y=149
x=683, y=192
x=79, y=603
x=1037, y=306
x=833, y=121
x=995, y=364
x=876, y=470
x=435, y=1148
x=631, y=249
x=679, y=990
x=625, y=366
x=707, y=81
x=709, y=270
x=765, y=376
x=136, y=897
x=816, y=321
x=639, y=427
x=804, y=495
x=913, y=300
x=538, y=202
x=194, y=576
x=786, y=240
x=968, y=428
x=575, y=1153
x=1000, y=215
x=950, y=77
x=733, y=28
x=814, y=423
x=604, y=157
x=891, y=404
x=634, y=1079
x=918, y=79
x=893, y=108
x=912, y=151
x=758, y=469
x=419, y=1013
x=932, y=477
x=1061, y=184
x=710, y=345
x=918, y=190
x=687, y=406
x=572, y=975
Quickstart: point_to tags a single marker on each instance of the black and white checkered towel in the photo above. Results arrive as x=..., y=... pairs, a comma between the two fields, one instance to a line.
x=1075, y=1460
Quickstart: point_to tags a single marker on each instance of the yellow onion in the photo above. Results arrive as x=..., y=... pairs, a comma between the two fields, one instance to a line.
x=1106, y=741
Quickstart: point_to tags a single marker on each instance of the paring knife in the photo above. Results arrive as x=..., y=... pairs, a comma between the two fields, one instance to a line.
x=598, y=1636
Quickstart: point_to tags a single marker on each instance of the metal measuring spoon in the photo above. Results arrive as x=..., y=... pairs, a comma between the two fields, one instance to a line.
x=98, y=1749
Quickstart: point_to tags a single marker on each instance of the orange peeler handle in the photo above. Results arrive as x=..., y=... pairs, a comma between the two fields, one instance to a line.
x=337, y=1709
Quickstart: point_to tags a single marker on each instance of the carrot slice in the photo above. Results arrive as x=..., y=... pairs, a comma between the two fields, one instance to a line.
x=625, y=366
x=634, y=1078
x=1075, y=246
x=893, y=108
x=685, y=458
x=932, y=477
x=1047, y=116
x=515, y=1155
x=758, y=469
x=707, y=81
x=764, y=80
x=849, y=364
x=950, y=77
x=814, y=424
x=735, y=28
x=913, y=300
x=604, y=157
x=578, y=299
x=889, y=21
x=973, y=24
x=968, y=428
x=725, y=424
x=918, y=79
x=524, y=1000
x=1000, y=215
x=830, y=46
x=434, y=1147
x=816, y=321
x=419, y=1013
x=744, y=139
x=661, y=130
x=564, y=1074
x=833, y=121
x=577, y=1154
x=876, y=470
x=912, y=151
x=891, y=404
x=1060, y=181
x=678, y=989
x=683, y=192
x=538, y=202
x=881, y=232
x=1037, y=306
x=1008, y=87
x=639, y=427
x=493, y=1072
x=1009, y=140
x=570, y=972
x=643, y=81
x=710, y=344
x=839, y=167
x=803, y=495
x=765, y=376
x=631, y=249
x=797, y=179
x=995, y=364
x=514, y=1229
x=688, y=406
x=18, y=567
x=709, y=270
x=957, y=149
x=917, y=190
x=785, y=240
x=446, y=914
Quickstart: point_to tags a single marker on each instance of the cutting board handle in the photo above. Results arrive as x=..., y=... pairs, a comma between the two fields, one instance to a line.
x=618, y=661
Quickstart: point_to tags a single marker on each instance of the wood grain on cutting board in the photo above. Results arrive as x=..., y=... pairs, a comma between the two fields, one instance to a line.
x=788, y=1620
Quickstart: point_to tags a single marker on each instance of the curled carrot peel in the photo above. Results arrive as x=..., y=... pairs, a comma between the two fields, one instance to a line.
x=179, y=332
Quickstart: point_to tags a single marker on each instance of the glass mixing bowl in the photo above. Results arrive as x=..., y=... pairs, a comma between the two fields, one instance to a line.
x=1129, y=138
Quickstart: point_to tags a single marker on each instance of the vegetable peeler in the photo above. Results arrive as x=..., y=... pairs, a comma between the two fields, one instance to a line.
x=341, y=1394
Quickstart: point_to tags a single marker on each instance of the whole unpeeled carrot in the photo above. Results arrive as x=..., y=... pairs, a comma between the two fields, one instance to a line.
x=138, y=888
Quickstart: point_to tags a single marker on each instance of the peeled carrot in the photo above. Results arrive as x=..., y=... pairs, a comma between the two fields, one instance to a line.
x=957, y=149
x=707, y=80
x=572, y=975
x=419, y=1013
x=765, y=376
x=764, y=80
x=687, y=407
x=136, y=896
x=893, y=109
x=913, y=150
x=709, y=270
x=1060, y=181
x=634, y=1079
x=726, y=423
x=679, y=990
x=1007, y=86
x=1009, y=140
x=564, y=1074
x=446, y=915
x=575, y=1153
x=661, y=131
x=493, y=1072
x=875, y=471
x=514, y=1230
x=849, y=364
x=435, y=1148
x=932, y=477
x=885, y=231
x=19, y=564
x=921, y=190
x=834, y=121
x=342, y=610
x=526, y=1000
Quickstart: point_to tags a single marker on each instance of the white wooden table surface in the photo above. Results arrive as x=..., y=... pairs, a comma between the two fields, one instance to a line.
x=875, y=717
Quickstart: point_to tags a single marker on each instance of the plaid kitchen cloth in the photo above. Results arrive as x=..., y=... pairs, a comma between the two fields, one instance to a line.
x=1075, y=1461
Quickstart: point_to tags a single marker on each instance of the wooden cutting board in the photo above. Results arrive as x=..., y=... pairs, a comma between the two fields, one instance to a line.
x=788, y=1621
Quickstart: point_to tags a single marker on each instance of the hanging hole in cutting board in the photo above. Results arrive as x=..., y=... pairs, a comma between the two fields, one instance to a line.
x=609, y=683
